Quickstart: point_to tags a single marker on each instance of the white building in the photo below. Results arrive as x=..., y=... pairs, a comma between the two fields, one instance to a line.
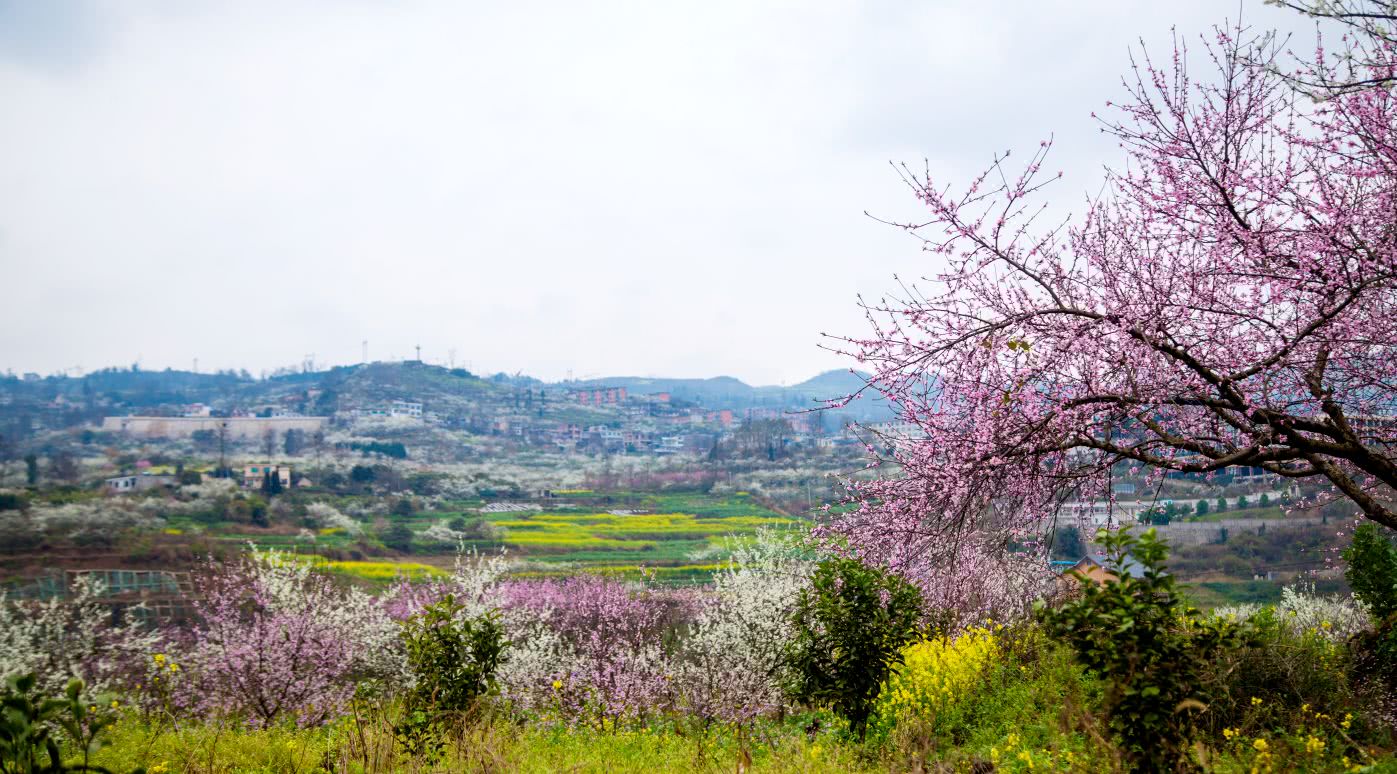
x=406, y=408
x=670, y=444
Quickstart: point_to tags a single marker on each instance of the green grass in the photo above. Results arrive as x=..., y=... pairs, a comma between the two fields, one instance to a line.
x=1269, y=512
x=497, y=746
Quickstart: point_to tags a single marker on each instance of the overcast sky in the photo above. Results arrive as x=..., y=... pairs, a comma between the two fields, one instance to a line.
x=588, y=188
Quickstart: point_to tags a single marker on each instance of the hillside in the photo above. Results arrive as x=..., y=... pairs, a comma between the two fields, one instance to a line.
x=454, y=391
x=729, y=392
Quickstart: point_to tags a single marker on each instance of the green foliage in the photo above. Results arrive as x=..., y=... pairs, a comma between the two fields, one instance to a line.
x=1150, y=649
x=851, y=625
x=28, y=742
x=1372, y=574
x=398, y=537
x=271, y=484
x=1032, y=703
x=1067, y=543
x=293, y=442
x=1279, y=675
x=452, y=656
x=1201, y=508
x=1372, y=570
x=13, y=501
x=1158, y=516
x=394, y=449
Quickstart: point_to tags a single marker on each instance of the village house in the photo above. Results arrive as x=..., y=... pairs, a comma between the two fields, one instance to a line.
x=138, y=483
x=256, y=473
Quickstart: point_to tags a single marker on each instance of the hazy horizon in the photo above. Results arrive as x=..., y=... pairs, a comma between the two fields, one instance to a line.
x=553, y=189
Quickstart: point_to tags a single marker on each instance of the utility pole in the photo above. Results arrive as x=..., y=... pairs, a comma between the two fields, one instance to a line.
x=419, y=352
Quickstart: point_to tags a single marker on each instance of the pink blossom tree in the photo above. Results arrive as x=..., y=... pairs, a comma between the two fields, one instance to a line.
x=1228, y=301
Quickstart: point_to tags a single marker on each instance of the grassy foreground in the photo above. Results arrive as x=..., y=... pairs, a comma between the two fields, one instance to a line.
x=1030, y=711
x=484, y=747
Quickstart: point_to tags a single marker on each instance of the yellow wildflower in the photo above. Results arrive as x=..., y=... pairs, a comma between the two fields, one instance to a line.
x=1260, y=744
x=1313, y=744
x=557, y=685
x=1229, y=733
x=159, y=658
x=1256, y=701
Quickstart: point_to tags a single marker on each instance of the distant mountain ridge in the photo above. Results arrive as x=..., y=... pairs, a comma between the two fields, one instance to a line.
x=370, y=382
x=730, y=392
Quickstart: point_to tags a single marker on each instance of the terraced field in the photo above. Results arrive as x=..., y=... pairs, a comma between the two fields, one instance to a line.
x=683, y=540
x=676, y=538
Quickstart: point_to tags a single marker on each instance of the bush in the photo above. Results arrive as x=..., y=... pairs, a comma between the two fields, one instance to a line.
x=1372, y=570
x=30, y=720
x=398, y=537
x=453, y=657
x=1006, y=698
x=1151, y=650
x=1281, y=673
x=937, y=675
x=851, y=625
x=1372, y=574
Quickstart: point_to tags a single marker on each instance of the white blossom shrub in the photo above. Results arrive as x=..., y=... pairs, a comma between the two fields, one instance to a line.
x=730, y=667
x=1334, y=617
x=63, y=638
x=326, y=516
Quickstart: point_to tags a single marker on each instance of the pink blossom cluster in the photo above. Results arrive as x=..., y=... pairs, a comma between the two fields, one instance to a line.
x=610, y=639
x=272, y=641
x=1226, y=302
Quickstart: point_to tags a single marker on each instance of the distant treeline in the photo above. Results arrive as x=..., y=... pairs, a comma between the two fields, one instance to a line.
x=392, y=449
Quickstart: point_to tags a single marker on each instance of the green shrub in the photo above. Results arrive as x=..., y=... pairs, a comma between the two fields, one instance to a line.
x=851, y=625
x=1150, y=649
x=1372, y=574
x=1372, y=570
x=452, y=656
x=31, y=722
x=1279, y=673
x=398, y=537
